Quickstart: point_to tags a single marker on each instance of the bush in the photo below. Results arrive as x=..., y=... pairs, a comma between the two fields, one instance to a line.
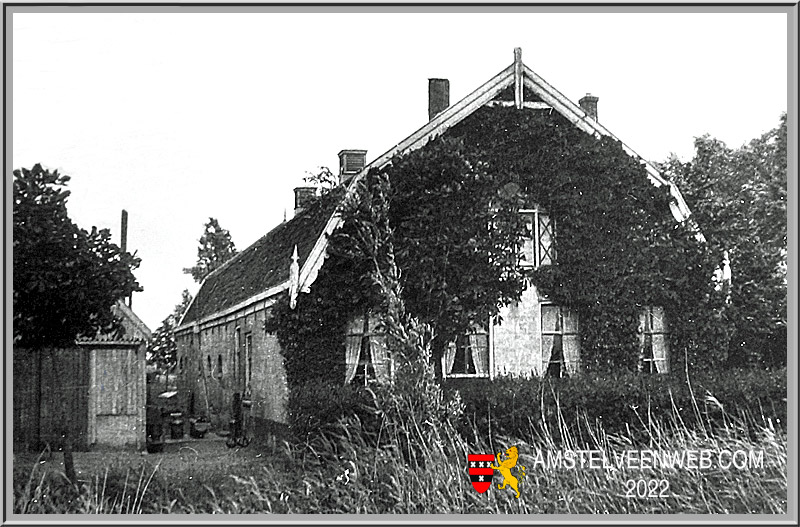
x=315, y=406
x=519, y=407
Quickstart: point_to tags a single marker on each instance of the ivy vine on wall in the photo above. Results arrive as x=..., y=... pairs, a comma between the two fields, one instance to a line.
x=456, y=235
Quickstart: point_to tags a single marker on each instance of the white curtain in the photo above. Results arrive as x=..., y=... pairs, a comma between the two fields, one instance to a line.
x=449, y=358
x=352, y=356
x=661, y=353
x=352, y=347
x=478, y=343
x=381, y=359
x=547, y=348
x=572, y=353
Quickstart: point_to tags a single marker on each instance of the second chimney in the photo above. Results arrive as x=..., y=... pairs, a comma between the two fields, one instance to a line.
x=438, y=96
x=589, y=104
x=302, y=197
x=351, y=162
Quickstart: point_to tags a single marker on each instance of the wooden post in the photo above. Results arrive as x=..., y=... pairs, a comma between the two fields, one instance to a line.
x=518, y=78
x=124, y=231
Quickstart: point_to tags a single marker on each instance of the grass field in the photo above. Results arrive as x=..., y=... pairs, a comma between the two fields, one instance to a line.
x=339, y=471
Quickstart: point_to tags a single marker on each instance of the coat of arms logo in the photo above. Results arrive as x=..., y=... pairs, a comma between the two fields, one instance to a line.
x=480, y=471
x=482, y=467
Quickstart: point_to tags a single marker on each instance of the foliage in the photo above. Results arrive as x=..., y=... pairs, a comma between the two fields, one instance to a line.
x=66, y=279
x=618, y=247
x=509, y=405
x=216, y=247
x=339, y=472
x=323, y=178
x=162, y=349
x=310, y=335
x=455, y=232
x=738, y=197
x=316, y=406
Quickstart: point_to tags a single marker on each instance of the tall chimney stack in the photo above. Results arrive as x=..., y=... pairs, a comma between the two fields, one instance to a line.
x=351, y=162
x=589, y=104
x=438, y=96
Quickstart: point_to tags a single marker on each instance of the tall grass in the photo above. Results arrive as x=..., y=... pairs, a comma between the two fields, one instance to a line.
x=51, y=492
x=347, y=468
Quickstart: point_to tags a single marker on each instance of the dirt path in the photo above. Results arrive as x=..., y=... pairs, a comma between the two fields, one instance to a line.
x=190, y=456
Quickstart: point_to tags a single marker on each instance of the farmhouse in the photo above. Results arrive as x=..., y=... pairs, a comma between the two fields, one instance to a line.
x=225, y=346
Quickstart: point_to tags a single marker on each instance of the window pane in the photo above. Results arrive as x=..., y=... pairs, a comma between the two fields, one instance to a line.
x=570, y=320
x=647, y=351
x=463, y=361
x=555, y=366
x=356, y=326
x=479, y=346
x=661, y=353
x=547, y=252
x=659, y=323
x=572, y=354
x=550, y=322
x=528, y=256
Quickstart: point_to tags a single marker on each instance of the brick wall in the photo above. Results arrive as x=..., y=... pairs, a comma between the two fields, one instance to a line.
x=211, y=391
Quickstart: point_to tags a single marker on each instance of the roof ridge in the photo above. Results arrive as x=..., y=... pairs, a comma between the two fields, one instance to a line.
x=517, y=75
x=467, y=106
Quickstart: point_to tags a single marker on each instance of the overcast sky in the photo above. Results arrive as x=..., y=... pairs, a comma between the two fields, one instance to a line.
x=176, y=117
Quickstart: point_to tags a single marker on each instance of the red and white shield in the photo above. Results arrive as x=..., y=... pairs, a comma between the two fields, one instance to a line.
x=480, y=473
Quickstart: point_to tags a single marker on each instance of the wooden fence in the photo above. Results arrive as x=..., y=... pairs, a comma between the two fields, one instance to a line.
x=51, y=397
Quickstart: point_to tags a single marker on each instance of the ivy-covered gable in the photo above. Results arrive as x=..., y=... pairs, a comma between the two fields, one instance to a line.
x=452, y=193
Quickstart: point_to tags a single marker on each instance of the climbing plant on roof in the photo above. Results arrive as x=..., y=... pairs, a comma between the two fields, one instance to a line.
x=455, y=227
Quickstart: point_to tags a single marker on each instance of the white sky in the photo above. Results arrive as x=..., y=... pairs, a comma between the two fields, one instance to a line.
x=176, y=117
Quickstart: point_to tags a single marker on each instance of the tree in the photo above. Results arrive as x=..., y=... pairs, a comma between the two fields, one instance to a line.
x=65, y=279
x=738, y=197
x=162, y=349
x=324, y=178
x=216, y=247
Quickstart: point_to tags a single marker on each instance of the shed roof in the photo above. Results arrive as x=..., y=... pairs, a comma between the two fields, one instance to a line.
x=136, y=331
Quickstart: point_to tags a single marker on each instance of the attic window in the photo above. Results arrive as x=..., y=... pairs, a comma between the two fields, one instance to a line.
x=538, y=247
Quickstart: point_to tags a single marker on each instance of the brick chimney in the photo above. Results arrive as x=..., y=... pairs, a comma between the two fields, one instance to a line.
x=351, y=162
x=303, y=196
x=589, y=104
x=438, y=96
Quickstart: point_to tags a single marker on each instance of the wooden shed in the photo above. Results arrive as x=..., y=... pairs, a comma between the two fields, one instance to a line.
x=94, y=391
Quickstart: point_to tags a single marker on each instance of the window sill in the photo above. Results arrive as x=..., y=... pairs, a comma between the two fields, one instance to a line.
x=466, y=376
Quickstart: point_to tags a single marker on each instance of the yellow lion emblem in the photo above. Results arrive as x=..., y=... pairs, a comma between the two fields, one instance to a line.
x=505, y=466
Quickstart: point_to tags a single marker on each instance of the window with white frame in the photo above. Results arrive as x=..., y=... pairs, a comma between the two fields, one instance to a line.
x=561, y=344
x=367, y=358
x=468, y=356
x=653, y=340
x=538, y=247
